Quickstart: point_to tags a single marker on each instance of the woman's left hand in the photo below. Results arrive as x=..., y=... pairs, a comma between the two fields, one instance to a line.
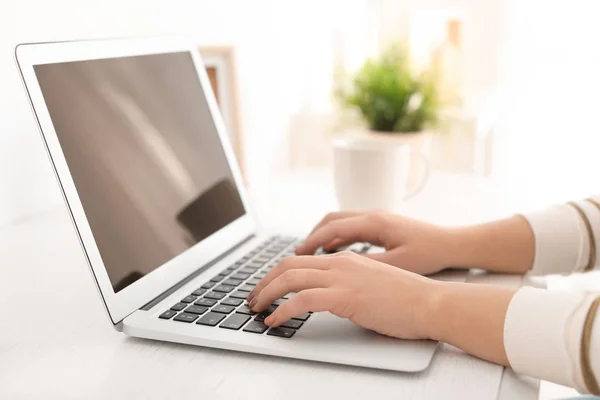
x=372, y=294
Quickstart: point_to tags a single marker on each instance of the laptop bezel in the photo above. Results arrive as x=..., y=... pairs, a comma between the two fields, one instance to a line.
x=119, y=305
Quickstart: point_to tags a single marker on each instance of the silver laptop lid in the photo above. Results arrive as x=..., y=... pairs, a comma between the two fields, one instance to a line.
x=141, y=153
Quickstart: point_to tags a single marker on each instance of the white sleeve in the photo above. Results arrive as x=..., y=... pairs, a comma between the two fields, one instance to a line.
x=542, y=335
x=562, y=244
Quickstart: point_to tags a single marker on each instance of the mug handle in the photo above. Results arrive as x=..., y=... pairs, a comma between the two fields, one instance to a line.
x=425, y=178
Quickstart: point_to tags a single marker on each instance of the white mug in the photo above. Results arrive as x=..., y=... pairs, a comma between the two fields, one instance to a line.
x=371, y=174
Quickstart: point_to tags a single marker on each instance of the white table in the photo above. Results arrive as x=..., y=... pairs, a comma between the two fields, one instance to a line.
x=56, y=341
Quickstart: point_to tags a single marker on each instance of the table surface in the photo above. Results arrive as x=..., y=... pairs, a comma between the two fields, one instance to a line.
x=56, y=341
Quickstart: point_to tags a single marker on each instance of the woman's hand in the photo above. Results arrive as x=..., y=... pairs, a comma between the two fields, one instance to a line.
x=410, y=244
x=388, y=300
x=374, y=295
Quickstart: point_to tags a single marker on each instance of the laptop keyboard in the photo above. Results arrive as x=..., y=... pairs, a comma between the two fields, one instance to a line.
x=222, y=300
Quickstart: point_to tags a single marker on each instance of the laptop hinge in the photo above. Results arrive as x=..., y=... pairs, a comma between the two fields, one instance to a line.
x=194, y=274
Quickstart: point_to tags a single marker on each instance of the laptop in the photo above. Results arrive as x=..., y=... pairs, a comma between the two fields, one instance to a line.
x=150, y=180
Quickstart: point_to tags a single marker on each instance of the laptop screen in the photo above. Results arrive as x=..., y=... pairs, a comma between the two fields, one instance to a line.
x=145, y=156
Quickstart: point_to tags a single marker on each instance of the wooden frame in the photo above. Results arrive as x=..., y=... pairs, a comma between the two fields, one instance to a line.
x=220, y=66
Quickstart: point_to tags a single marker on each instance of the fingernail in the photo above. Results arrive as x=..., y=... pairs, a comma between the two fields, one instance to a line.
x=253, y=302
x=251, y=295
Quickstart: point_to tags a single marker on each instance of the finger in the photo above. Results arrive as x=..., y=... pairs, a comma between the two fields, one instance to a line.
x=288, y=263
x=355, y=229
x=332, y=216
x=292, y=280
x=308, y=300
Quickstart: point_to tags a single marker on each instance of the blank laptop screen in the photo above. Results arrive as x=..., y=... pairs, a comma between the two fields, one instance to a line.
x=144, y=154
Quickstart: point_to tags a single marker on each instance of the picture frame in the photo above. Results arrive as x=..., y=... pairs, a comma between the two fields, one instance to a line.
x=220, y=64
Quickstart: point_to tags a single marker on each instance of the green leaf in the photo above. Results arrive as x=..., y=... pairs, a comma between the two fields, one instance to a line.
x=382, y=90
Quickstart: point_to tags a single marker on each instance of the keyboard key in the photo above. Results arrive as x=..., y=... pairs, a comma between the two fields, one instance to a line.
x=248, y=270
x=245, y=310
x=246, y=288
x=196, y=310
x=271, y=309
x=218, y=278
x=253, y=281
x=261, y=317
x=205, y=302
x=256, y=327
x=179, y=307
x=240, y=295
x=198, y=292
x=281, y=332
x=215, y=295
x=240, y=275
x=223, y=309
x=261, y=259
x=232, y=282
x=255, y=264
x=189, y=299
x=208, y=285
x=293, y=324
x=236, y=321
x=228, y=270
x=224, y=288
x=302, y=317
x=278, y=302
x=185, y=317
x=167, y=314
x=261, y=275
x=231, y=301
x=264, y=314
x=211, y=319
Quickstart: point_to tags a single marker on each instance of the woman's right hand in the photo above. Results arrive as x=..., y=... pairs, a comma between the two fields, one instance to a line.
x=388, y=300
x=410, y=244
x=371, y=294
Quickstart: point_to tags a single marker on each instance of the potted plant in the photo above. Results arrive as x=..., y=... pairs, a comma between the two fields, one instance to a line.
x=392, y=98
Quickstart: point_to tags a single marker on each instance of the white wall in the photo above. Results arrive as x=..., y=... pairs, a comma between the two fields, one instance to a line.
x=550, y=137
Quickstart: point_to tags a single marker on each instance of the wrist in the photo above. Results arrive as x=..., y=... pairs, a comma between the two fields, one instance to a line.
x=443, y=301
x=432, y=309
x=470, y=317
x=502, y=246
x=453, y=245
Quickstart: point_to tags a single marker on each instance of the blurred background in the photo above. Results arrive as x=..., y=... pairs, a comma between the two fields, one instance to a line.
x=523, y=74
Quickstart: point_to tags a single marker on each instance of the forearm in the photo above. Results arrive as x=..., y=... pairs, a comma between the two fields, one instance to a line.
x=471, y=317
x=560, y=239
x=551, y=335
x=506, y=245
